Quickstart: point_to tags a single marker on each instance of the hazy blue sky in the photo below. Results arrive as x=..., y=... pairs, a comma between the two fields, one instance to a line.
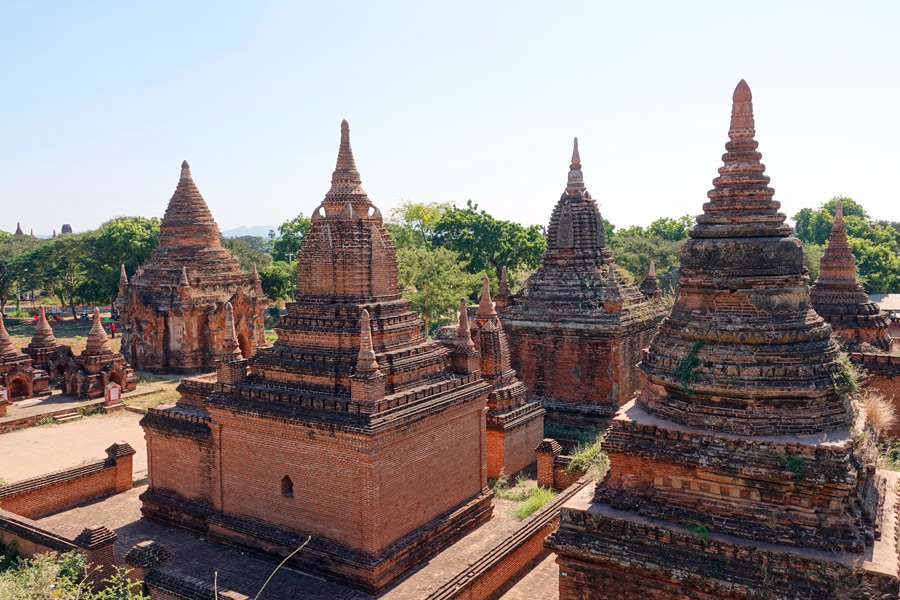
x=447, y=101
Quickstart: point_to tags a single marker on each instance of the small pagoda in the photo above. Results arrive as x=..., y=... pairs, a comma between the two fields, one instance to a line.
x=172, y=309
x=741, y=470
x=577, y=328
x=17, y=373
x=353, y=430
x=838, y=297
x=45, y=350
x=90, y=372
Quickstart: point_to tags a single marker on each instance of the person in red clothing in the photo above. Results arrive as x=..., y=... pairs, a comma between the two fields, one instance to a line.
x=112, y=329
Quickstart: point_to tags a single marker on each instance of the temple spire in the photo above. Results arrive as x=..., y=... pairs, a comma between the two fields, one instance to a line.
x=97, y=340
x=186, y=171
x=366, y=361
x=19, y=232
x=230, y=344
x=123, y=276
x=346, y=184
x=43, y=333
x=255, y=273
x=187, y=212
x=463, y=334
x=486, y=306
x=6, y=344
x=575, y=182
x=742, y=123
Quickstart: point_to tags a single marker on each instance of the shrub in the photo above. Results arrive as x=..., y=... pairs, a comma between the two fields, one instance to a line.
x=537, y=497
x=880, y=413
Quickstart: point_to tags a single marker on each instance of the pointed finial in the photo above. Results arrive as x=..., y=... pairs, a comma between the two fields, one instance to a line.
x=123, y=277
x=839, y=211
x=255, y=273
x=184, y=278
x=652, y=272
x=32, y=232
x=230, y=343
x=486, y=306
x=6, y=344
x=54, y=234
x=185, y=170
x=742, y=124
x=611, y=279
x=97, y=340
x=366, y=360
x=19, y=231
x=463, y=334
x=576, y=177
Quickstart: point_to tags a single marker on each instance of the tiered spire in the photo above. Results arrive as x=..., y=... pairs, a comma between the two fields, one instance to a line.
x=346, y=184
x=7, y=348
x=43, y=333
x=188, y=222
x=19, y=232
x=123, y=276
x=463, y=334
x=841, y=300
x=230, y=344
x=741, y=203
x=97, y=340
x=366, y=361
x=651, y=285
x=486, y=305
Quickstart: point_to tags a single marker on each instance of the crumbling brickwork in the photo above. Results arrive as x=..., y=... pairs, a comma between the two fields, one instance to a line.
x=172, y=309
x=577, y=328
x=352, y=428
x=45, y=351
x=17, y=373
x=97, y=366
x=739, y=451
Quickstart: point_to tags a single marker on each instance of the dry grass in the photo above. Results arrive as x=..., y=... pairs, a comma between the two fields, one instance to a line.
x=880, y=413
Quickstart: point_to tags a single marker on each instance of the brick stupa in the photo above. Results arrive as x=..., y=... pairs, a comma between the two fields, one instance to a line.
x=577, y=328
x=736, y=473
x=839, y=298
x=45, y=350
x=90, y=372
x=352, y=429
x=172, y=309
x=17, y=373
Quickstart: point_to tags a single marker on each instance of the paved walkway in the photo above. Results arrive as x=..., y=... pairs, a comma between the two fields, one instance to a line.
x=39, y=450
x=541, y=583
x=22, y=409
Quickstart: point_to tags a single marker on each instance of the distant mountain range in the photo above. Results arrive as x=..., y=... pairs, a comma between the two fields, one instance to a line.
x=256, y=230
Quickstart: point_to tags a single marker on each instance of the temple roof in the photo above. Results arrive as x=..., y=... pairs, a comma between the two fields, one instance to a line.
x=346, y=184
x=43, y=334
x=7, y=348
x=187, y=222
x=742, y=349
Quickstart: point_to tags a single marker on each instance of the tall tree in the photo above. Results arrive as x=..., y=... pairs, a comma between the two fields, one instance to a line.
x=289, y=237
x=412, y=224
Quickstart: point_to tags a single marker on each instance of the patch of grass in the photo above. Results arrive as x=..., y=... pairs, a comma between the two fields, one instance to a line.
x=517, y=492
x=89, y=411
x=537, y=497
x=849, y=380
x=700, y=530
x=687, y=370
x=796, y=465
x=48, y=420
x=559, y=431
x=587, y=454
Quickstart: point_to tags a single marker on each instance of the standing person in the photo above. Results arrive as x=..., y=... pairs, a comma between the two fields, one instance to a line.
x=112, y=329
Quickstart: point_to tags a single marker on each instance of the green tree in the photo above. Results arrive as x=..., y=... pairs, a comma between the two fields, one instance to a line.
x=52, y=576
x=487, y=244
x=412, y=224
x=125, y=241
x=434, y=280
x=246, y=255
x=289, y=237
x=12, y=265
x=59, y=265
x=812, y=254
x=673, y=230
x=634, y=253
x=278, y=279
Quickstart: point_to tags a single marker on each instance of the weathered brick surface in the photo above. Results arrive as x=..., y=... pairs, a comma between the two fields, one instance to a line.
x=173, y=307
x=736, y=472
x=17, y=374
x=883, y=377
x=45, y=351
x=97, y=366
x=577, y=328
x=41, y=496
x=352, y=429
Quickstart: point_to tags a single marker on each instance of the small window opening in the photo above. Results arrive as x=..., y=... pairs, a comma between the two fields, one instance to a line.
x=287, y=487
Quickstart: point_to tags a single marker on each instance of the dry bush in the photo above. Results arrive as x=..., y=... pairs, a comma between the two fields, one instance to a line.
x=880, y=412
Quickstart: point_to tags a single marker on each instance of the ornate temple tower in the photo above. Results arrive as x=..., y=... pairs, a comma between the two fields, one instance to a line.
x=352, y=428
x=17, y=374
x=172, y=309
x=577, y=328
x=97, y=366
x=45, y=351
x=839, y=298
x=740, y=451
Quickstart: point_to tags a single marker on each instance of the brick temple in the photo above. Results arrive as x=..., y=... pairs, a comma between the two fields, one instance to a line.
x=172, y=309
x=45, y=350
x=738, y=471
x=97, y=366
x=353, y=428
x=577, y=328
x=838, y=297
x=515, y=423
x=17, y=373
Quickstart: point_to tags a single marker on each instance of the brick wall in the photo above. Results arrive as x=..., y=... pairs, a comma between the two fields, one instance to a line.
x=41, y=496
x=553, y=466
x=512, y=450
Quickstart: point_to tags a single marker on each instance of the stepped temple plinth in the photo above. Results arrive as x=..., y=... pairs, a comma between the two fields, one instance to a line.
x=17, y=372
x=45, y=350
x=838, y=297
x=90, y=372
x=353, y=429
x=172, y=309
x=740, y=470
x=577, y=329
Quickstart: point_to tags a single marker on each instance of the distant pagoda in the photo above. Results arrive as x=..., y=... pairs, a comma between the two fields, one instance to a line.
x=172, y=309
x=352, y=428
x=839, y=298
x=577, y=328
x=740, y=471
